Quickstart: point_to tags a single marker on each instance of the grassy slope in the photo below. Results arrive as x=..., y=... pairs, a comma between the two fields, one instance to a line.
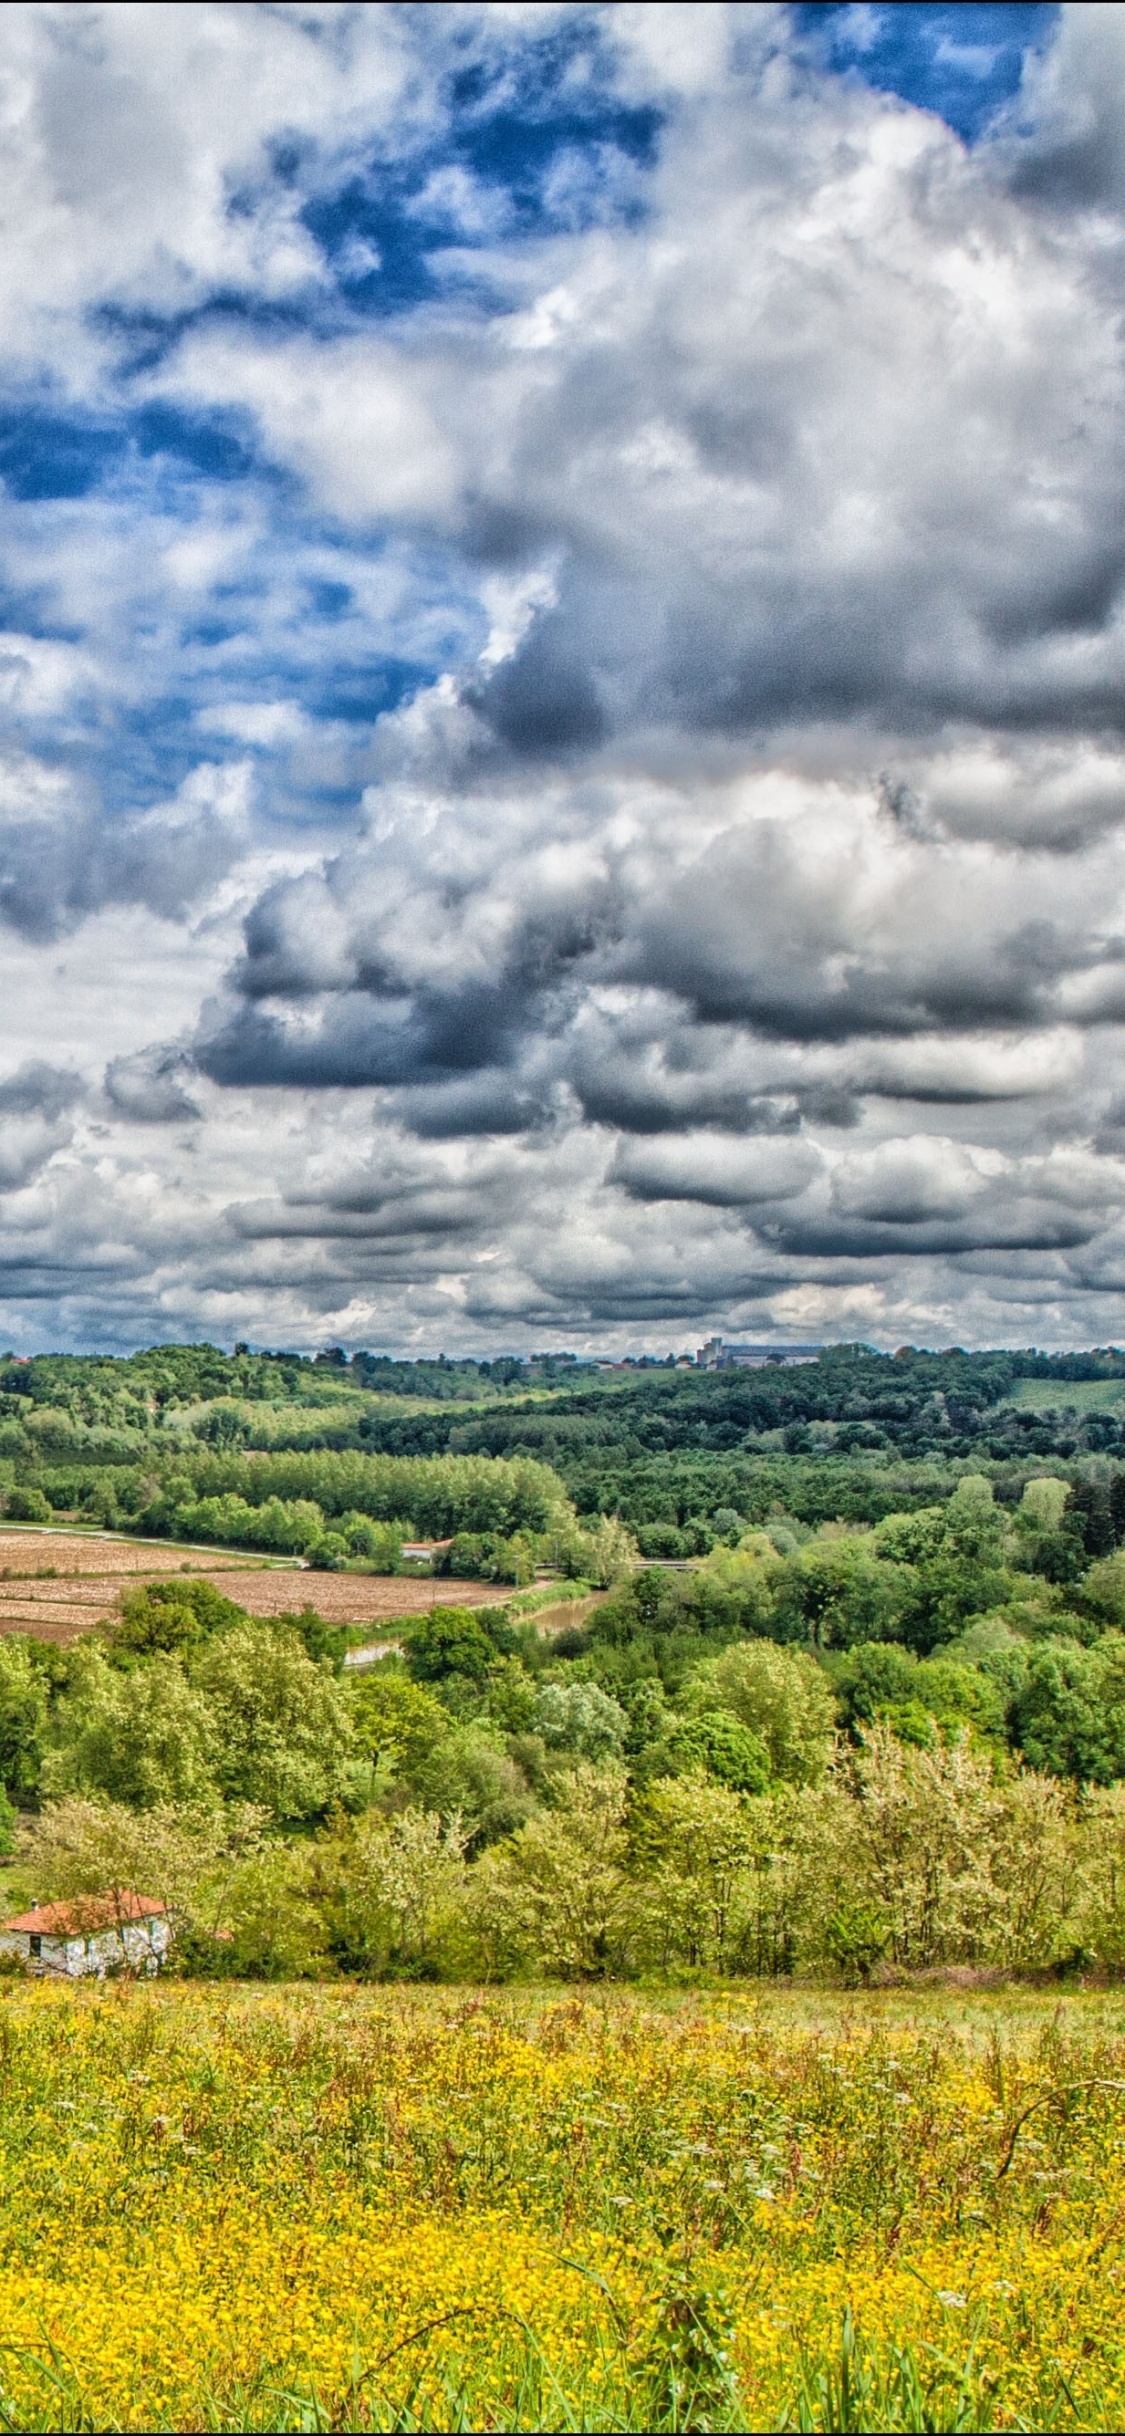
x=1054, y=1395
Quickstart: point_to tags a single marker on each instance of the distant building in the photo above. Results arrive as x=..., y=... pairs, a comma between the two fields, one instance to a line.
x=716, y=1355
x=96, y=1933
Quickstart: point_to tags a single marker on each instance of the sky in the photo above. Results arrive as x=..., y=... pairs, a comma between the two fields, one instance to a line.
x=562, y=674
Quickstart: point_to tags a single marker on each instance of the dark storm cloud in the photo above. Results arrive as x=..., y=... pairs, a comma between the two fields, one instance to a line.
x=1012, y=1230
x=350, y=1043
x=359, y=1038
x=626, y=1095
x=401, y=1219
x=725, y=665
x=489, y=1102
x=544, y=702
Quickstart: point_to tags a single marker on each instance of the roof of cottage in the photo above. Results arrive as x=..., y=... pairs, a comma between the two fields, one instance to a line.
x=85, y=1914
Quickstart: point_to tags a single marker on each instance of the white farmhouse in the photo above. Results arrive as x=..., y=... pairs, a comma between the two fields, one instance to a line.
x=96, y=1933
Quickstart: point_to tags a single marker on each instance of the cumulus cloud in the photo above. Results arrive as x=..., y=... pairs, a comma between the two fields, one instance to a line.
x=1027, y=792
x=715, y=1168
x=60, y=861
x=150, y=1086
x=568, y=566
x=911, y=1180
x=35, y=1120
x=129, y=132
x=350, y=417
x=653, y=945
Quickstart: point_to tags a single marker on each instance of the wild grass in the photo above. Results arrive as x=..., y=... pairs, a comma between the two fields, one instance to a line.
x=430, y=2209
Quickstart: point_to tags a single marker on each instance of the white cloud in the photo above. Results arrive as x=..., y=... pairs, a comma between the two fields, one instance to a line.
x=921, y=1176
x=739, y=529
x=256, y=722
x=352, y=418
x=125, y=130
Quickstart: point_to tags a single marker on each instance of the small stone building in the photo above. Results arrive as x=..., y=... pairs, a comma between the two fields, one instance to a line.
x=95, y=1933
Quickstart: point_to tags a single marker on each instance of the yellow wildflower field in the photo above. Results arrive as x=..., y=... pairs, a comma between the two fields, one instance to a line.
x=227, y=2207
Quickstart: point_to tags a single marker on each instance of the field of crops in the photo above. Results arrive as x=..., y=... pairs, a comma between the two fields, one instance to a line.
x=295, y=2208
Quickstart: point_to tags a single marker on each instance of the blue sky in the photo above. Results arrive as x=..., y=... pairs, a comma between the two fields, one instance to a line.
x=965, y=63
x=560, y=671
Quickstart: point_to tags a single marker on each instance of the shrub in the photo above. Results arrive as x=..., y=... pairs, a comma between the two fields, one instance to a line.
x=579, y=1717
x=28, y=1505
x=717, y=1745
x=450, y=1641
x=781, y=1695
x=173, y=1616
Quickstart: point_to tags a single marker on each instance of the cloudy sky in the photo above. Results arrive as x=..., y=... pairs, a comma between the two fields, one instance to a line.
x=562, y=585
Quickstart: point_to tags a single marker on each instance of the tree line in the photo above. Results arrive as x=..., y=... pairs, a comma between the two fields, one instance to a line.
x=823, y=1748
x=854, y=1435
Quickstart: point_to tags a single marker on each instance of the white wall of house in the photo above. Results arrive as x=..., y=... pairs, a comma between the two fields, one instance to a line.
x=140, y=1945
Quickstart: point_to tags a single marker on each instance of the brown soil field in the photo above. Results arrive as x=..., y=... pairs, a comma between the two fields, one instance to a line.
x=31, y=1551
x=57, y=1584
x=355, y=1598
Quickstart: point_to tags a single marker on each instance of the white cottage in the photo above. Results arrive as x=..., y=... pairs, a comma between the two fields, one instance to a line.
x=96, y=1933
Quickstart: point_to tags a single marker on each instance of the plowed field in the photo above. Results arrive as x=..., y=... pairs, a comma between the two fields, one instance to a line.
x=356, y=1598
x=57, y=1584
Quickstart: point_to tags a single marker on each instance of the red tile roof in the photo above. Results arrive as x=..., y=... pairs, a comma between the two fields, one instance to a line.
x=86, y=1914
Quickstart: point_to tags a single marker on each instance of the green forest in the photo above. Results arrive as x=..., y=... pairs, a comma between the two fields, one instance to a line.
x=853, y=1436
x=844, y=1687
